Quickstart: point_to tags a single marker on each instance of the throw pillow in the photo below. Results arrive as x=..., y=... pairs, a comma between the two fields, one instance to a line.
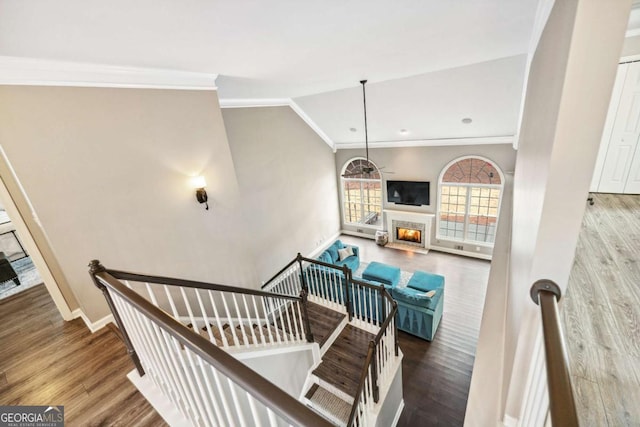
x=345, y=253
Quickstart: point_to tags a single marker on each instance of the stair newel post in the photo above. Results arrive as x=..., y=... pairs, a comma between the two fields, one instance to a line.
x=346, y=271
x=304, y=293
x=383, y=306
x=302, y=278
x=374, y=371
x=95, y=268
x=305, y=315
x=395, y=325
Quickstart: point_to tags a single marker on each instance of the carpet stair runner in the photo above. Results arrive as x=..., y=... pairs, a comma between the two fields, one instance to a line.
x=267, y=331
x=328, y=404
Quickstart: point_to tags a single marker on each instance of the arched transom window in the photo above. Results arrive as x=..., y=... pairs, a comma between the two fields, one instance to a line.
x=470, y=190
x=361, y=193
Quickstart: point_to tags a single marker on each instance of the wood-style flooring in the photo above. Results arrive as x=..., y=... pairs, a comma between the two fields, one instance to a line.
x=44, y=360
x=436, y=375
x=601, y=313
x=47, y=361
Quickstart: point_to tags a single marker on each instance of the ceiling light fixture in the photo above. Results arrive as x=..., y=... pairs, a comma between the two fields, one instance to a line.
x=467, y=120
x=403, y=132
x=353, y=129
x=368, y=167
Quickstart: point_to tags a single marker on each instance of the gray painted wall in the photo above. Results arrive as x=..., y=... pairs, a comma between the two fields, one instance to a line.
x=108, y=174
x=424, y=164
x=286, y=175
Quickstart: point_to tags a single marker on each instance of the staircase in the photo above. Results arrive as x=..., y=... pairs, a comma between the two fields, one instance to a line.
x=308, y=303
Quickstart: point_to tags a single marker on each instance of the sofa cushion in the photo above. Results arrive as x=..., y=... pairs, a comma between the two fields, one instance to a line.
x=383, y=273
x=425, y=282
x=415, y=297
x=344, y=253
x=325, y=257
x=333, y=250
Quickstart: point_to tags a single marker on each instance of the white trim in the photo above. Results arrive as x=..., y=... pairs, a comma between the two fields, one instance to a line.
x=629, y=58
x=157, y=399
x=435, y=142
x=42, y=72
x=317, y=251
x=396, y=418
x=93, y=326
x=463, y=253
x=254, y=103
x=633, y=32
x=357, y=234
x=509, y=421
x=27, y=238
x=278, y=102
x=295, y=107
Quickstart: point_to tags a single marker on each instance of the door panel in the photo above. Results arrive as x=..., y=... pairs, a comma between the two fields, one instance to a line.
x=624, y=136
x=632, y=185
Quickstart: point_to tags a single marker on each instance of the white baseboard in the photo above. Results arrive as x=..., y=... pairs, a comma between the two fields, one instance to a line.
x=459, y=252
x=159, y=401
x=324, y=246
x=93, y=326
x=398, y=414
x=509, y=421
x=357, y=234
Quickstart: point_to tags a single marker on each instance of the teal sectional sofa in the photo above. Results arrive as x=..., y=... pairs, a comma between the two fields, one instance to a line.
x=332, y=256
x=420, y=304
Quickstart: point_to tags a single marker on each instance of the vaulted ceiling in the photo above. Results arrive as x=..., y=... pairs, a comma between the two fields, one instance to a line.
x=430, y=63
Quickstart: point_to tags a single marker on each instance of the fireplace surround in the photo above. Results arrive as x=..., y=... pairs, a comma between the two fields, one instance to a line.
x=416, y=226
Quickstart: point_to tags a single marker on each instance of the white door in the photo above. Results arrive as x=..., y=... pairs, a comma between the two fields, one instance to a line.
x=624, y=137
x=632, y=185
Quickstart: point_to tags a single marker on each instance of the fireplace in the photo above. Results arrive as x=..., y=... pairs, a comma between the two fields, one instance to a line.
x=409, y=235
x=409, y=229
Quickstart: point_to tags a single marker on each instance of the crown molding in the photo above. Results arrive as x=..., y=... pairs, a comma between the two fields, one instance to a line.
x=254, y=103
x=436, y=142
x=279, y=102
x=41, y=72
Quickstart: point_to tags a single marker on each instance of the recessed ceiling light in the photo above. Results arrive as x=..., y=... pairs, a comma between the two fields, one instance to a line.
x=353, y=129
x=404, y=131
x=467, y=120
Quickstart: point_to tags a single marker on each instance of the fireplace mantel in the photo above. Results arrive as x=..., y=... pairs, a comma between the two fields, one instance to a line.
x=416, y=217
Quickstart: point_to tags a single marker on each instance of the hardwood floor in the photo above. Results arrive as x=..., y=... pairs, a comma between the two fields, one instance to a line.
x=436, y=375
x=47, y=361
x=601, y=313
x=44, y=360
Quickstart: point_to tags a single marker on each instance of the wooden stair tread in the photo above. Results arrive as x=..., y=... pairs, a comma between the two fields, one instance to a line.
x=342, y=364
x=326, y=403
x=323, y=321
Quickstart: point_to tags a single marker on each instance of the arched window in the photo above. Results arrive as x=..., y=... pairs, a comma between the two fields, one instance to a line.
x=470, y=190
x=361, y=193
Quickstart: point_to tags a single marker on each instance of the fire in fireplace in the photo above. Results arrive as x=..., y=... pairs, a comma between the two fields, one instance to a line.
x=408, y=235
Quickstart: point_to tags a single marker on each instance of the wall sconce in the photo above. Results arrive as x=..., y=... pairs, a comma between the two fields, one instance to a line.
x=199, y=183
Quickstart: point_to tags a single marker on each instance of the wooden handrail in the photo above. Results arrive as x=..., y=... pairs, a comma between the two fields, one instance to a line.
x=562, y=406
x=363, y=377
x=125, y=275
x=282, y=270
x=259, y=387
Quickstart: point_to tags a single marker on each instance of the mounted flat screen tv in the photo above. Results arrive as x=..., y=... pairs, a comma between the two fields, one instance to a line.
x=413, y=193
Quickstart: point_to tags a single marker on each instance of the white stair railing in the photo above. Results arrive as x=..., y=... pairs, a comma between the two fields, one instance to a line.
x=206, y=385
x=225, y=315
